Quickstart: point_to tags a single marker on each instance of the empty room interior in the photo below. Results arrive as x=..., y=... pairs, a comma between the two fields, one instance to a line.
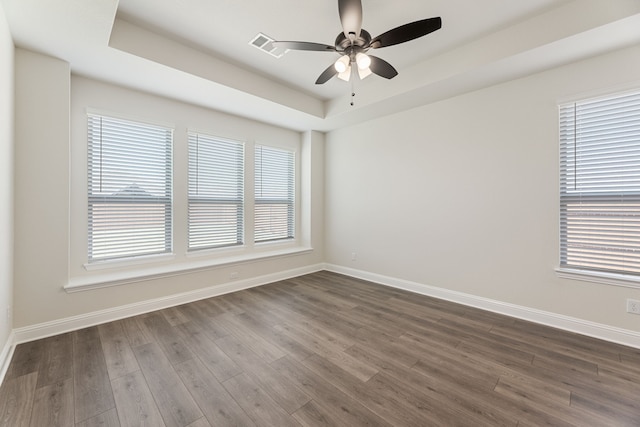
x=339, y=212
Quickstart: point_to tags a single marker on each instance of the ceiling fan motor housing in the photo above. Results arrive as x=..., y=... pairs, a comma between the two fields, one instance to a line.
x=363, y=42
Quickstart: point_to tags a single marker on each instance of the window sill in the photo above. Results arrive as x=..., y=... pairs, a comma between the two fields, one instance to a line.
x=80, y=284
x=627, y=281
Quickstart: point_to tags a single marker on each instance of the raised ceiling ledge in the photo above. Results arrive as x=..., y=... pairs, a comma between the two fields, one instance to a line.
x=164, y=66
x=160, y=49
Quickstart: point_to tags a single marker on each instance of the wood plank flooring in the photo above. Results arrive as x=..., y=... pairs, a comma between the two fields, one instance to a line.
x=321, y=350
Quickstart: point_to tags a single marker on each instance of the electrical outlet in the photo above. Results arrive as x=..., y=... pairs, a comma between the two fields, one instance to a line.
x=354, y=256
x=234, y=275
x=633, y=306
x=9, y=314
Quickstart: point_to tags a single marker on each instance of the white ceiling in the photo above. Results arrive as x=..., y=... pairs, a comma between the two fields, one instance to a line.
x=224, y=28
x=198, y=50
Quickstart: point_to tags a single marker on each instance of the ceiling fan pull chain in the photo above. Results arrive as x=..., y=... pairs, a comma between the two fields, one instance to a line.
x=353, y=91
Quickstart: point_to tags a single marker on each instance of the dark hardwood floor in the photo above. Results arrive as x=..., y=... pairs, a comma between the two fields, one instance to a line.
x=322, y=349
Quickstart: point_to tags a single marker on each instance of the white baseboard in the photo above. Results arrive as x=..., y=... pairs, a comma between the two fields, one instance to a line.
x=572, y=324
x=60, y=326
x=5, y=355
x=47, y=329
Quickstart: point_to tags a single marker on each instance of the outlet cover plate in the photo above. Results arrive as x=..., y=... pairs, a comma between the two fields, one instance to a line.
x=633, y=306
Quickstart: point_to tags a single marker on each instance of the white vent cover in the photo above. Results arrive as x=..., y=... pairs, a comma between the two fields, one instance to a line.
x=263, y=42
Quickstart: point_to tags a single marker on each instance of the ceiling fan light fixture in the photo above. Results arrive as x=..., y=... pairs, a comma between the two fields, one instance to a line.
x=364, y=72
x=346, y=74
x=363, y=61
x=342, y=64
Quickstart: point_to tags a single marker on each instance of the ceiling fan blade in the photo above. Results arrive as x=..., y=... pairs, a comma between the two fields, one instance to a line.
x=317, y=47
x=382, y=68
x=327, y=75
x=350, y=12
x=407, y=32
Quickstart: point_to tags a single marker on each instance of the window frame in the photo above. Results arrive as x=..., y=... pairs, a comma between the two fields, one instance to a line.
x=126, y=197
x=290, y=200
x=589, y=141
x=84, y=276
x=240, y=202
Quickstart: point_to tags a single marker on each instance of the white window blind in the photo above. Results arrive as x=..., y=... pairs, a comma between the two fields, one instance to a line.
x=216, y=182
x=600, y=184
x=129, y=188
x=274, y=194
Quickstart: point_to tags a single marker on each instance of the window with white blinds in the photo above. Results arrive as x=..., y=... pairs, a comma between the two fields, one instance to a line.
x=600, y=184
x=216, y=183
x=274, y=194
x=129, y=188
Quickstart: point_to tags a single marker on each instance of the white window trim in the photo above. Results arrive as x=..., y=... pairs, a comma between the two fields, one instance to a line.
x=623, y=280
x=128, y=262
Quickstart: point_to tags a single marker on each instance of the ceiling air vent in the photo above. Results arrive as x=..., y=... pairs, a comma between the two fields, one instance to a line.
x=263, y=42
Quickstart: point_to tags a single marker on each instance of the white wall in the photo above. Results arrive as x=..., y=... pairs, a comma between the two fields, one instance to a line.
x=6, y=179
x=463, y=194
x=51, y=194
x=41, y=184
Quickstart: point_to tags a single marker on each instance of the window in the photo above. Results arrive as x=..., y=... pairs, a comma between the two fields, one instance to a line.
x=129, y=188
x=274, y=194
x=216, y=182
x=600, y=184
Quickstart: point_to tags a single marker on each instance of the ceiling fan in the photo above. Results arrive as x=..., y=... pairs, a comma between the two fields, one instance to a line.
x=354, y=42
